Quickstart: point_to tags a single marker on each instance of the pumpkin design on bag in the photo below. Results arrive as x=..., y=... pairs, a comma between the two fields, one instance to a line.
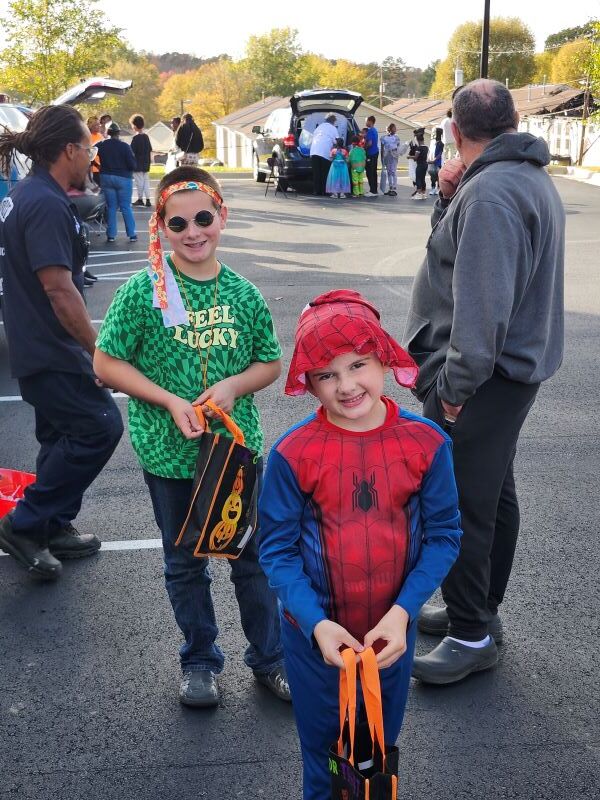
x=224, y=531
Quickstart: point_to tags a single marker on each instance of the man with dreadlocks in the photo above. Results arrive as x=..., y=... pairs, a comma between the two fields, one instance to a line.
x=51, y=340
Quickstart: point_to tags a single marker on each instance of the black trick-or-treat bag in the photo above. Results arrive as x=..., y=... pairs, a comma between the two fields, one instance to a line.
x=361, y=765
x=223, y=509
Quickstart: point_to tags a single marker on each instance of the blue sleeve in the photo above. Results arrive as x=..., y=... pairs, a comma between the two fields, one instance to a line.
x=440, y=519
x=280, y=510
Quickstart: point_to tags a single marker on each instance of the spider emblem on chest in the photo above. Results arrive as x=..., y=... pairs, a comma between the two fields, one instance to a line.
x=364, y=495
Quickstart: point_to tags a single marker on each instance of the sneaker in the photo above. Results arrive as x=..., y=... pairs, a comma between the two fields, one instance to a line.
x=110, y=239
x=89, y=276
x=199, y=689
x=393, y=193
x=133, y=238
x=88, y=281
x=433, y=191
x=28, y=551
x=276, y=681
x=67, y=542
x=148, y=204
x=369, y=194
x=342, y=196
x=138, y=202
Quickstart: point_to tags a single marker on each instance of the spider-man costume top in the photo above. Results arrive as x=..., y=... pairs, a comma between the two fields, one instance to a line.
x=352, y=523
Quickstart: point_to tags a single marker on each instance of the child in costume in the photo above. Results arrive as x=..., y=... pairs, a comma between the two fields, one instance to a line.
x=359, y=520
x=357, y=160
x=390, y=152
x=186, y=329
x=338, y=179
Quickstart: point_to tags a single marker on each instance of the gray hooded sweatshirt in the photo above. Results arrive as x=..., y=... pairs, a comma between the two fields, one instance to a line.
x=489, y=295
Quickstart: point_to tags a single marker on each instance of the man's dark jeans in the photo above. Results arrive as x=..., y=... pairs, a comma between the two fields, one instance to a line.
x=320, y=170
x=188, y=581
x=484, y=442
x=78, y=427
x=371, y=170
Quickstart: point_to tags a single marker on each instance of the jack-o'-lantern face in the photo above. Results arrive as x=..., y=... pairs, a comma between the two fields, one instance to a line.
x=232, y=510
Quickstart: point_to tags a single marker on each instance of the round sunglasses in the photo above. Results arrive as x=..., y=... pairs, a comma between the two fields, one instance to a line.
x=202, y=219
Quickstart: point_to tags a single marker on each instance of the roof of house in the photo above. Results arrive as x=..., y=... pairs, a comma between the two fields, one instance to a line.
x=529, y=101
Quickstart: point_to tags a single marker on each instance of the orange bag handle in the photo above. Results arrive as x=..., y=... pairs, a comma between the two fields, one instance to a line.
x=348, y=701
x=234, y=430
x=371, y=687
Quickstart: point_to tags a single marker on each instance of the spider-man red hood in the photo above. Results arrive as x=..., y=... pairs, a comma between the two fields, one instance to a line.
x=338, y=322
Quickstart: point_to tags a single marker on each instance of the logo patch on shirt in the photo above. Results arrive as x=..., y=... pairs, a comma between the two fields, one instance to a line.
x=6, y=206
x=364, y=495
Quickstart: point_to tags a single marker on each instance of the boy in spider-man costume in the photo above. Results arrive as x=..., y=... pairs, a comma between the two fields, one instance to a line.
x=359, y=520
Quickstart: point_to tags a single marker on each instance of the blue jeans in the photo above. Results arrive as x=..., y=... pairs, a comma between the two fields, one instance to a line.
x=187, y=579
x=117, y=191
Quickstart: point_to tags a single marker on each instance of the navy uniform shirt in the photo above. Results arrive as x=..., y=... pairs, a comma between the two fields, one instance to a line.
x=39, y=227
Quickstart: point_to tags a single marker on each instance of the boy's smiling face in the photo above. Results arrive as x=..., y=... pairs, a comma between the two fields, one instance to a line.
x=350, y=390
x=195, y=247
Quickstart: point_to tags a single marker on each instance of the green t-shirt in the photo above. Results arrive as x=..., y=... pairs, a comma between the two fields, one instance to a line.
x=242, y=333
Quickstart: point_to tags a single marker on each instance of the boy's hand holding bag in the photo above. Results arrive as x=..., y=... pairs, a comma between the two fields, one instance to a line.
x=223, y=510
x=362, y=767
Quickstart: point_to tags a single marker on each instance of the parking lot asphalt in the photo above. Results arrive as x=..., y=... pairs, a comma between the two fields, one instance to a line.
x=89, y=667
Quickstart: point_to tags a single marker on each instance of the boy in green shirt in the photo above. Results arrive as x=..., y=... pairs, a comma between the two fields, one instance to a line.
x=186, y=330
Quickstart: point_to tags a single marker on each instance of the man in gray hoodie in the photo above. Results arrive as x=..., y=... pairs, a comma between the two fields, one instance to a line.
x=486, y=327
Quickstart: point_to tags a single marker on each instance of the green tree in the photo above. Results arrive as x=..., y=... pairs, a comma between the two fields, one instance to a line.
x=511, y=54
x=543, y=66
x=141, y=98
x=428, y=77
x=394, y=77
x=571, y=63
x=556, y=40
x=271, y=59
x=52, y=44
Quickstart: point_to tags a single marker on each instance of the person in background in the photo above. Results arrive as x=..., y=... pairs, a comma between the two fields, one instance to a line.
x=105, y=121
x=323, y=142
x=189, y=141
x=338, y=179
x=142, y=150
x=436, y=150
x=448, y=136
x=372, y=151
x=51, y=340
x=486, y=326
x=357, y=158
x=421, y=152
x=390, y=152
x=96, y=136
x=117, y=165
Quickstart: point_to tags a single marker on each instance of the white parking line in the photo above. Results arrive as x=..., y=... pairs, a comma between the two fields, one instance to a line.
x=127, y=544
x=16, y=398
x=108, y=276
x=117, y=263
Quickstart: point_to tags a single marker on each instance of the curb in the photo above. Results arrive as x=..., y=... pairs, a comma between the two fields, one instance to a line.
x=580, y=174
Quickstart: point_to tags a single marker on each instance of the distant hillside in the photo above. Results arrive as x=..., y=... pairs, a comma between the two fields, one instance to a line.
x=180, y=62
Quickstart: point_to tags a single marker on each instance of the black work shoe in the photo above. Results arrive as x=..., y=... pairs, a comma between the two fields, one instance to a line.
x=434, y=621
x=29, y=552
x=199, y=688
x=89, y=275
x=451, y=661
x=69, y=543
x=138, y=202
x=148, y=204
x=276, y=681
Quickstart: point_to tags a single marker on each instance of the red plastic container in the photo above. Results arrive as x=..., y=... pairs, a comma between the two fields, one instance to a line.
x=12, y=486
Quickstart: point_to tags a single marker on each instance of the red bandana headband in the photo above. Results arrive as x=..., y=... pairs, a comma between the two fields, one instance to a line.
x=155, y=253
x=339, y=322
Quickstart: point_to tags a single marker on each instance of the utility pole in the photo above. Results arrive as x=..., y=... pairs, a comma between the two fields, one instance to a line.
x=586, y=103
x=485, y=40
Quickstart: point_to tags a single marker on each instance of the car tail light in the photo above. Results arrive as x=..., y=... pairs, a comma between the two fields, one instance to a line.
x=289, y=140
